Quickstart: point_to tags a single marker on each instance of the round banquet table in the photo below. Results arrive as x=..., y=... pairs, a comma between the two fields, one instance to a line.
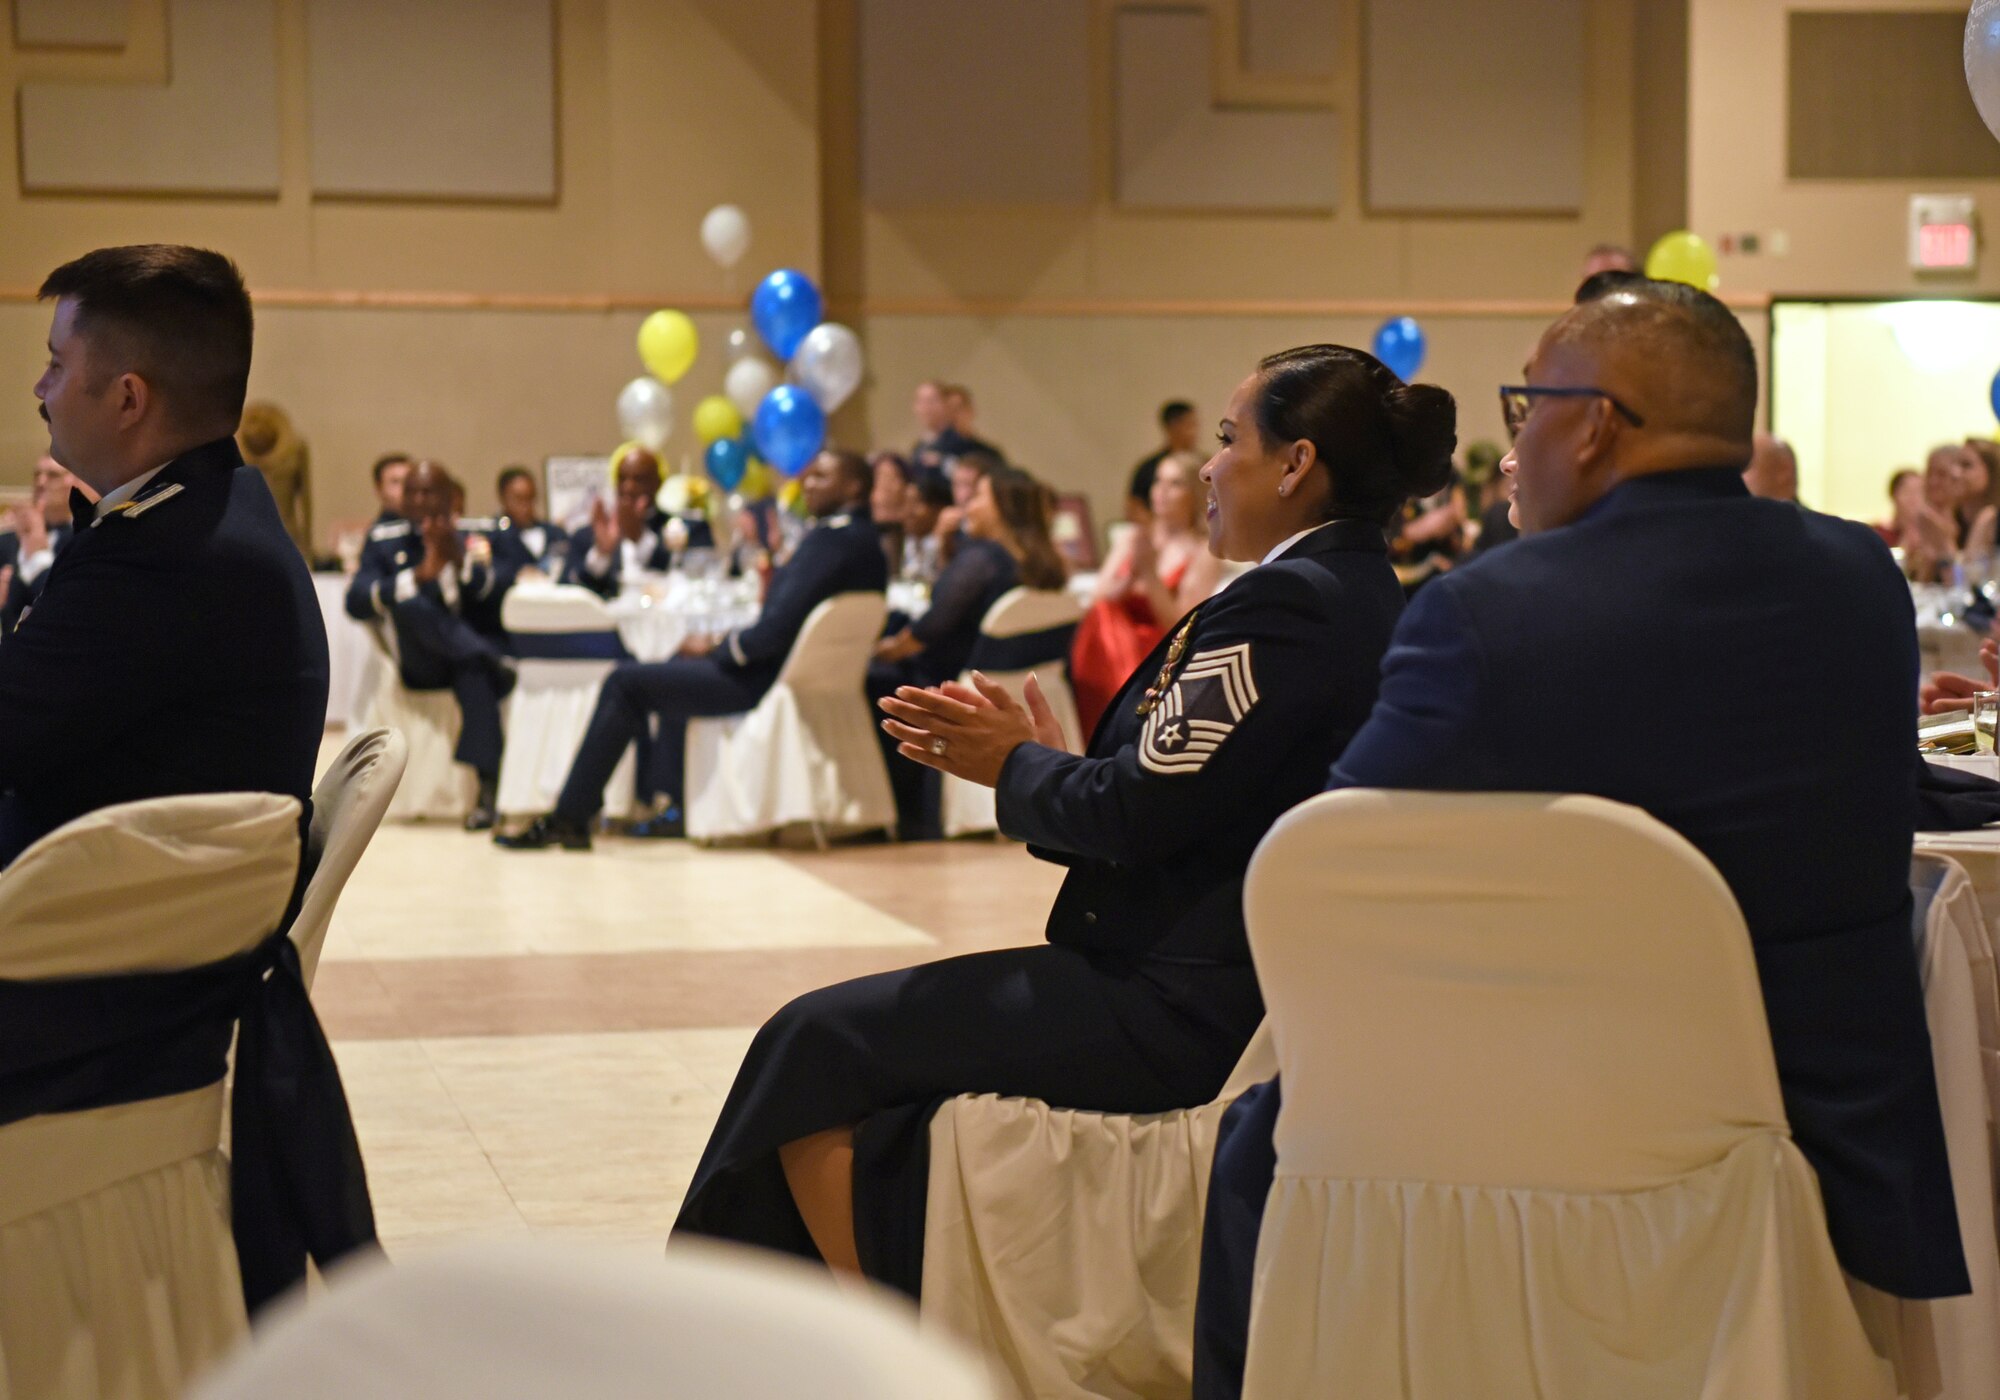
x=655, y=614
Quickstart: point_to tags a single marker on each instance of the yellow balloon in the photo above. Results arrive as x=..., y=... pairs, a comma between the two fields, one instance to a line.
x=1683, y=257
x=758, y=481
x=715, y=417
x=667, y=344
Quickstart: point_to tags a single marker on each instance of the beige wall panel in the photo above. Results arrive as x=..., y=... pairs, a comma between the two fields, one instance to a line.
x=212, y=128
x=1475, y=107
x=1178, y=150
x=1844, y=236
x=448, y=99
x=970, y=102
x=1659, y=119
x=1882, y=94
x=73, y=23
x=1291, y=38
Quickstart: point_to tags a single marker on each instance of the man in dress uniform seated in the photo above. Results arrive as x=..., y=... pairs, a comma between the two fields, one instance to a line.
x=41, y=530
x=422, y=576
x=634, y=536
x=389, y=472
x=525, y=543
x=177, y=646
x=840, y=553
x=1627, y=646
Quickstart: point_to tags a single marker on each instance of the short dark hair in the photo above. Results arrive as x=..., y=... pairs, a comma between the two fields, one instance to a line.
x=983, y=460
x=1382, y=441
x=510, y=474
x=1173, y=409
x=177, y=317
x=1600, y=284
x=933, y=487
x=386, y=461
x=853, y=467
x=1708, y=372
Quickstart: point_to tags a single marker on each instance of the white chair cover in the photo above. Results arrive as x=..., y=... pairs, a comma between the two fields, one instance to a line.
x=118, y=1275
x=1532, y=1142
x=1949, y=1348
x=968, y=807
x=807, y=753
x=529, y=1320
x=552, y=703
x=435, y=786
x=1065, y=1245
x=348, y=804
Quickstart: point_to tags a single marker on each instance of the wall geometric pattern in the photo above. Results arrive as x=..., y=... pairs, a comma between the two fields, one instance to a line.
x=72, y=24
x=211, y=129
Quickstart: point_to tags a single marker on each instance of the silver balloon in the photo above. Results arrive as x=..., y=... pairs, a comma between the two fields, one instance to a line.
x=828, y=364
x=725, y=233
x=646, y=412
x=746, y=383
x=1982, y=61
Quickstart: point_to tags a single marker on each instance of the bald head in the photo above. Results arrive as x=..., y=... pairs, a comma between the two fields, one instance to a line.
x=427, y=490
x=1671, y=352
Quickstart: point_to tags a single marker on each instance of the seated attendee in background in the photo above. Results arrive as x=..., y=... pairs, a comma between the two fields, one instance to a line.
x=925, y=500
x=937, y=440
x=42, y=529
x=1923, y=533
x=1978, y=500
x=1143, y=997
x=270, y=443
x=960, y=411
x=718, y=675
x=1773, y=473
x=1493, y=495
x=427, y=580
x=1627, y=646
x=1429, y=537
x=524, y=543
x=1007, y=545
x=1154, y=575
x=1182, y=433
x=177, y=645
x=1609, y=257
x=388, y=473
x=885, y=503
x=632, y=537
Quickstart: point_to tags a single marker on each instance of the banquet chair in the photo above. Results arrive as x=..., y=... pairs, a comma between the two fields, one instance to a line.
x=1064, y=1245
x=1531, y=1140
x=118, y=1274
x=349, y=801
x=435, y=786
x=1027, y=632
x=807, y=754
x=567, y=643
x=519, y=1319
x=1949, y=1348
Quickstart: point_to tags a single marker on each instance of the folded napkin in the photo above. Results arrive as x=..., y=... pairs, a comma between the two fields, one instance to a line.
x=1950, y=799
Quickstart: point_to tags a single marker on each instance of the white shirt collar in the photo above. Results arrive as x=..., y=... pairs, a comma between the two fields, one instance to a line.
x=118, y=495
x=1279, y=551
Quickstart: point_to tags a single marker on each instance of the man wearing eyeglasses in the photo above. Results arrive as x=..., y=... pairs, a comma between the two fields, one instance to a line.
x=1629, y=646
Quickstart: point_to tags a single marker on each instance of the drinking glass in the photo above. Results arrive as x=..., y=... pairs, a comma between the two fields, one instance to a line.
x=1985, y=718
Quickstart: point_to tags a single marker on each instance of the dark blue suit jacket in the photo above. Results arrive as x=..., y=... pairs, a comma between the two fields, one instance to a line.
x=1745, y=671
x=177, y=648
x=1156, y=846
x=840, y=554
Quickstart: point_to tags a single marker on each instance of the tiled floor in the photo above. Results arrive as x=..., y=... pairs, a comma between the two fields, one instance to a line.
x=541, y=1041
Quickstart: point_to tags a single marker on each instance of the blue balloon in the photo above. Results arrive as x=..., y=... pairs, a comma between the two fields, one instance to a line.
x=1993, y=394
x=783, y=308
x=1399, y=344
x=727, y=460
x=789, y=428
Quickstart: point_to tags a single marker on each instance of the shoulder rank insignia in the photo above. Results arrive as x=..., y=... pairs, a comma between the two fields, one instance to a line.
x=132, y=510
x=390, y=530
x=1160, y=683
x=1201, y=709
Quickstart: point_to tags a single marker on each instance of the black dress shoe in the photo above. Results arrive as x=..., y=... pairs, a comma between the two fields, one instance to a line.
x=662, y=826
x=547, y=831
x=482, y=816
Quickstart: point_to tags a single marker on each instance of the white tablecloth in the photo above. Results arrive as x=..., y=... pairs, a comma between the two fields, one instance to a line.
x=655, y=618
x=350, y=650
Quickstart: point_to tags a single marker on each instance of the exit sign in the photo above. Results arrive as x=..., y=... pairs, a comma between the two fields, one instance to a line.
x=1944, y=234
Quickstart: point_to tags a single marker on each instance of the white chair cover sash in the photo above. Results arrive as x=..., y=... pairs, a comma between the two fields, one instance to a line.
x=807, y=753
x=1531, y=1141
x=348, y=805
x=435, y=786
x=1017, y=614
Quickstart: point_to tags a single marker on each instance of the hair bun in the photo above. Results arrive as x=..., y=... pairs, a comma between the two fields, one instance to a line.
x=1423, y=427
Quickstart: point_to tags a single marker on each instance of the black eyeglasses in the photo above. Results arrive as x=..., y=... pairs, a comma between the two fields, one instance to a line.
x=1517, y=399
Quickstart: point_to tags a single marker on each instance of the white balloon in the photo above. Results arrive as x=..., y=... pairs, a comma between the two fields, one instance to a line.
x=646, y=412
x=741, y=343
x=1982, y=61
x=828, y=364
x=725, y=232
x=748, y=380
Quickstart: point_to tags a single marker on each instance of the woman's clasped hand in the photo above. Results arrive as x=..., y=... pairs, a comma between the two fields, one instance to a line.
x=968, y=731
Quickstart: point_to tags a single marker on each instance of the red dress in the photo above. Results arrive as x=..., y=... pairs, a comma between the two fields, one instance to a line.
x=1111, y=641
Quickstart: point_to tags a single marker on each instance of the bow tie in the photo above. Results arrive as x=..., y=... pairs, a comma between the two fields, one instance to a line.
x=82, y=510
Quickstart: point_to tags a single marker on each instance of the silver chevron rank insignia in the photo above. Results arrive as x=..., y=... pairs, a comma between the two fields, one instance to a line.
x=1207, y=701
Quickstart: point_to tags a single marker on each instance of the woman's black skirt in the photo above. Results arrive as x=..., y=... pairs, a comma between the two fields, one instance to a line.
x=1083, y=1030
